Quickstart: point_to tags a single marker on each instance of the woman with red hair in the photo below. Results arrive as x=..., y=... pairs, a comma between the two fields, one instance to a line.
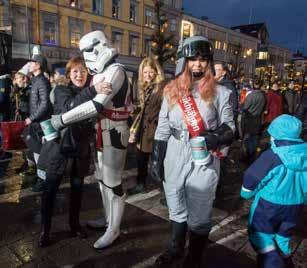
x=195, y=121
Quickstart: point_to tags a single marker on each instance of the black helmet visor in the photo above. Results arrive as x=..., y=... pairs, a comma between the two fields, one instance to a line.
x=199, y=48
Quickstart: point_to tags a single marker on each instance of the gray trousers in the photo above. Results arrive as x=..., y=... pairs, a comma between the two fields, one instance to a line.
x=189, y=188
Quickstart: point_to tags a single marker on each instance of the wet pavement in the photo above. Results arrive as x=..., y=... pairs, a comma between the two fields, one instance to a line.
x=145, y=227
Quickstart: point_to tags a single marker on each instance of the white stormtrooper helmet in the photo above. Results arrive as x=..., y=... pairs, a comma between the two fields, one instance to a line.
x=96, y=51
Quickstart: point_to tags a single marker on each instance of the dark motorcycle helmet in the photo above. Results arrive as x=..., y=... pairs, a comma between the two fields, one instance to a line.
x=195, y=46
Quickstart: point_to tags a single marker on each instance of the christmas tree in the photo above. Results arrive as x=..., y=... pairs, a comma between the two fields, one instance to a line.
x=162, y=47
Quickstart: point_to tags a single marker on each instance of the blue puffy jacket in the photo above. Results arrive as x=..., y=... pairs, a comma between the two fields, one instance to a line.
x=279, y=175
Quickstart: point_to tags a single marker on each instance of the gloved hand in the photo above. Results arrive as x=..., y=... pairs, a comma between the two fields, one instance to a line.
x=212, y=140
x=56, y=122
x=156, y=168
x=223, y=135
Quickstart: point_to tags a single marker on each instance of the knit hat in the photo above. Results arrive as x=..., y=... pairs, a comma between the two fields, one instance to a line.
x=286, y=127
x=41, y=60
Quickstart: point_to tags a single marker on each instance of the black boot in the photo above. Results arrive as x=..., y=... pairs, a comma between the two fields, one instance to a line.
x=197, y=244
x=176, y=249
x=46, y=213
x=48, y=198
x=140, y=186
x=142, y=161
x=74, y=209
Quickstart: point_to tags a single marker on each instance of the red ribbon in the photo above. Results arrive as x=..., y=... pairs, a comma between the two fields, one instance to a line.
x=191, y=116
x=193, y=119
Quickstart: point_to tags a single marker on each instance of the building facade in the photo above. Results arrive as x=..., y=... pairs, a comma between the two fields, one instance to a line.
x=236, y=49
x=271, y=60
x=57, y=26
x=246, y=49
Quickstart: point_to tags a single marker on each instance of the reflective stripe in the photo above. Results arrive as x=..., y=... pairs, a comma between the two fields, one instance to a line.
x=267, y=249
x=246, y=190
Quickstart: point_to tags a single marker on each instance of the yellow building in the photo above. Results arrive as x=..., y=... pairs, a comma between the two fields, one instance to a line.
x=57, y=26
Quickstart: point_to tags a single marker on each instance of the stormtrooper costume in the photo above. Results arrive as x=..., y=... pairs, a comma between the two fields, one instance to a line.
x=112, y=128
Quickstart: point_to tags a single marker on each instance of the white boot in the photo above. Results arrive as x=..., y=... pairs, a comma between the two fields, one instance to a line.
x=103, y=221
x=117, y=205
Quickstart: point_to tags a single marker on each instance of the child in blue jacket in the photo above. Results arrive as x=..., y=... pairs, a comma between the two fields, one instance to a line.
x=278, y=182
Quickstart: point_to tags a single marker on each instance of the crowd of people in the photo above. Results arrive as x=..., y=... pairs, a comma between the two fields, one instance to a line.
x=182, y=130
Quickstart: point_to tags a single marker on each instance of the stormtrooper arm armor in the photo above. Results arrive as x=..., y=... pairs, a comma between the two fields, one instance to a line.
x=82, y=112
x=114, y=75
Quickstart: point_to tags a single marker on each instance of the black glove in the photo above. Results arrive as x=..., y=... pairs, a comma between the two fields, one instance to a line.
x=156, y=168
x=223, y=135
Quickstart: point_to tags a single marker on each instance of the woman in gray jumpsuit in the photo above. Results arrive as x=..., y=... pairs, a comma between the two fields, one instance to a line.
x=189, y=186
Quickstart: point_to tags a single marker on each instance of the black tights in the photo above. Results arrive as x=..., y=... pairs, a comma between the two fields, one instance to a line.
x=142, y=159
x=51, y=186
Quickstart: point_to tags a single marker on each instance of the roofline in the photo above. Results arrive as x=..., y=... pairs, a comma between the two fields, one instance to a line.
x=229, y=29
x=224, y=27
x=263, y=23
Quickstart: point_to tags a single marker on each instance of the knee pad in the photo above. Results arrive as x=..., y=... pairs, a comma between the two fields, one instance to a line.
x=118, y=190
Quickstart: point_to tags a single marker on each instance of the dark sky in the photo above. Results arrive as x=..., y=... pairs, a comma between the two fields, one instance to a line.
x=286, y=19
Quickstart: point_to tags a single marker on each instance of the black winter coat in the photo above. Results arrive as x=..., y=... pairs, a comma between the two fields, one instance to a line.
x=226, y=82
x=252, y=111
x=40, y=106
x=75, y=139
x=5, y=87
x=291, y=101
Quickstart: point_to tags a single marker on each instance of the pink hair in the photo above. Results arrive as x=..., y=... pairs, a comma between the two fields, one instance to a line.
x=182, y=86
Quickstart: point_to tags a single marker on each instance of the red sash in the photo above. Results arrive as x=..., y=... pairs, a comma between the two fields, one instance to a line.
x=193, y=119
x=191, y=116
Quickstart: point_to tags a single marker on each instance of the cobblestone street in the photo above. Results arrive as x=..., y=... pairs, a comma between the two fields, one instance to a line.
x=145, y=227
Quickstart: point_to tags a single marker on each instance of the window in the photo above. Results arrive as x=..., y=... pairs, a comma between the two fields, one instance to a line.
x=201, y=30
x=218, y=45
x=249, y=52
x=49, y=29
x=133, y=45
x=149, y=18
x=22, y=24
x=186, y=30
x=76, y=31
x=173, y=3
x=133, y=11
x=225, y=46
x=244, y=53
x=50, y=1
x=97, y=26
x=74, y=3
x=116, y=9
x=97, y=7
x=117, y=41
x=173, y=25
x=263, y=56
x=147, y=47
